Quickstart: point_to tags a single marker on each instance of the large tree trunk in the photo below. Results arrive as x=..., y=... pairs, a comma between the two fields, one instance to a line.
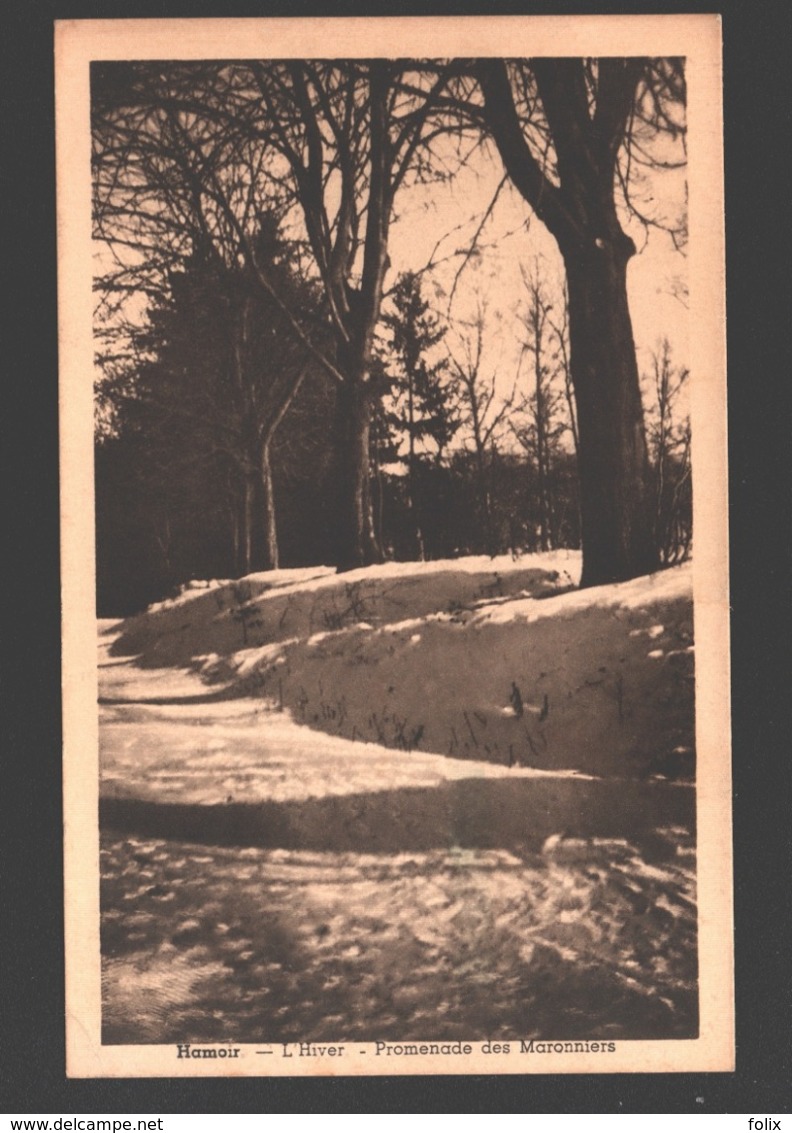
x=358, y=545
x=356, y=538
x=580, y=212
x=615, y=503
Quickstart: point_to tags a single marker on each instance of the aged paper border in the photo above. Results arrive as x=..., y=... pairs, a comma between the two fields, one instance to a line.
x=698, y=38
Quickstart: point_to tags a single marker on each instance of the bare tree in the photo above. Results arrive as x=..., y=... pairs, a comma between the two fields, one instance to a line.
x=669, y=447
x=573, y=135
x=349, y=134
x=542, y=423
x=483, y=412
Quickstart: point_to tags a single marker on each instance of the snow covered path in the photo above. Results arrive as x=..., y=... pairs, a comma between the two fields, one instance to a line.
x=262, y=881
x=180, y=757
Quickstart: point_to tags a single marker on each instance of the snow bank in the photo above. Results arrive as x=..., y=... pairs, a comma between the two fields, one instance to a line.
x=458, y=658
x=279, y=605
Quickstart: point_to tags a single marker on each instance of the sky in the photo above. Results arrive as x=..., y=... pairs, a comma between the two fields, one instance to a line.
x=512, y=238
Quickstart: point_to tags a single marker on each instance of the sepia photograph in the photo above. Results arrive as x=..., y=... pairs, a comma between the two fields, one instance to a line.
x=396, y=679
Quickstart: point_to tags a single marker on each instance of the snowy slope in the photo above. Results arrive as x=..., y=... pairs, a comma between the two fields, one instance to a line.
x=488, y=660
x=266, y=875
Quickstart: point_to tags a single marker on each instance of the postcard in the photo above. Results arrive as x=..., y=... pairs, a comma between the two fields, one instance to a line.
x=394, y=546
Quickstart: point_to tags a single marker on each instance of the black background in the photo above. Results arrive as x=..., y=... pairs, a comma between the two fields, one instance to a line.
x=758, y=110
